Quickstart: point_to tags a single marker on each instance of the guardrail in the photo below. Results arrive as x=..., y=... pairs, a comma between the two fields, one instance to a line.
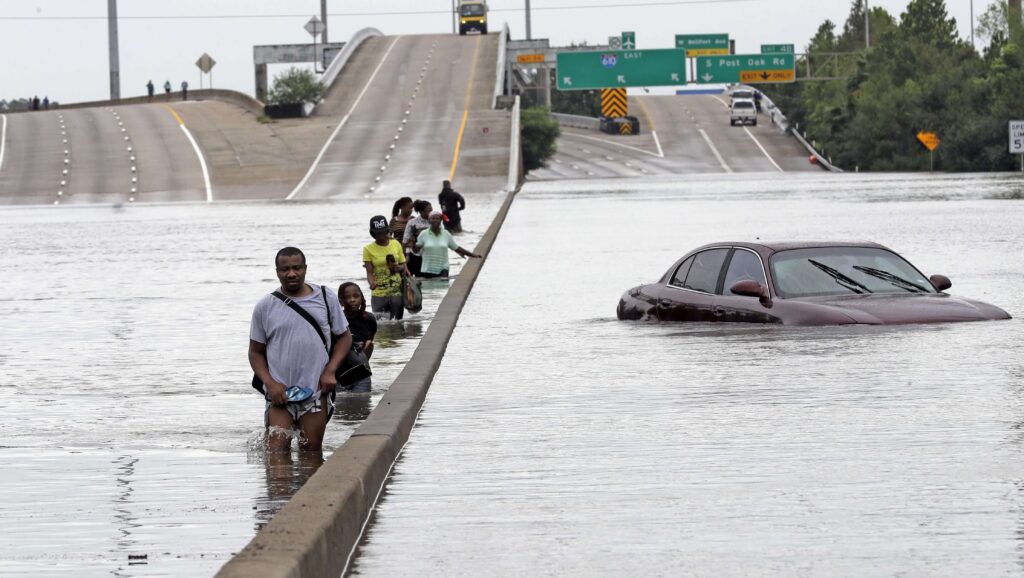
x=234, y=97
x=343, y=57
x=499, y=81
x=821, y=160
x=576, y=121
x=514, y=151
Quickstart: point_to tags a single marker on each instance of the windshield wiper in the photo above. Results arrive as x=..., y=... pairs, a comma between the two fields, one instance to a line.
x=841, y=280
x=892, y=279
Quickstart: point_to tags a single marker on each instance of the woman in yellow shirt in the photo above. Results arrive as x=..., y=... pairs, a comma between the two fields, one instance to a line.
x=384, y=260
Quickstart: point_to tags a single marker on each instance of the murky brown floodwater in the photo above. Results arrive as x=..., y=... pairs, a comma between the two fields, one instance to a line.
x=557, y=440
x=127, y=424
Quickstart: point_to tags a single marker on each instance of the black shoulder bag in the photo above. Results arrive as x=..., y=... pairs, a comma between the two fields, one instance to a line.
x=354, y=366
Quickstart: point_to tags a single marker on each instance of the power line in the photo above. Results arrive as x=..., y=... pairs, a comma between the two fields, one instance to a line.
x=396, y=13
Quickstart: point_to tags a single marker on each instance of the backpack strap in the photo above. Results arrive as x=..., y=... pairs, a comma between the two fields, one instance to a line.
x=305, y=315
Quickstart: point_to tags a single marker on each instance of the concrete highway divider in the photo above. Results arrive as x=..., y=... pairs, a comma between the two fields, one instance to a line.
x=317, y=531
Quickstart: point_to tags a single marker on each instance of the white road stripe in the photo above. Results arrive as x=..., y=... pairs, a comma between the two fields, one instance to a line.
x=202, y=163
x=3, y=139
x=718, y=155
x=319, y=157
x=657, y=143
x=764, y=151
x=601, y=140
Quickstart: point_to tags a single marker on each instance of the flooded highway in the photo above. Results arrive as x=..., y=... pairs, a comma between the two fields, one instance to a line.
x=130, y=439
x=556, y=440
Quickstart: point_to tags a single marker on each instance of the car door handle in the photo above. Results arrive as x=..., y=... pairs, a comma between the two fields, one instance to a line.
x=718, y=310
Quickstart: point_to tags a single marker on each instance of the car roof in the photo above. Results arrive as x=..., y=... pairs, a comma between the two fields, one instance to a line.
x=739, y=100
x=768, y=247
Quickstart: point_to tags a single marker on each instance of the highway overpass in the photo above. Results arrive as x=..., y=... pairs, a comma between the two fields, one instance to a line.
x=405, y=113
x=680, y=135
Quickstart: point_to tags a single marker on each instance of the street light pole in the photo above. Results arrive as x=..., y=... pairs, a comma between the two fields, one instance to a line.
x=867, y=26
x=455, y=17
x=323, y=16
x=115, y=60
x=529, y=34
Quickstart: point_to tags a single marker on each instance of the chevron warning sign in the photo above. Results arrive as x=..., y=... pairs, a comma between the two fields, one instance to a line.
x=626, y=128
x=614, y=103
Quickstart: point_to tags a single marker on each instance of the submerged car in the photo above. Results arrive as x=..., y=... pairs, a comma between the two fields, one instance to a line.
x=800, y=284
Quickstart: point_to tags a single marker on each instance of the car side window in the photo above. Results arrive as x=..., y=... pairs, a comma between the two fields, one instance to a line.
x=680, y=275
x=704, y=272
x=743, y=266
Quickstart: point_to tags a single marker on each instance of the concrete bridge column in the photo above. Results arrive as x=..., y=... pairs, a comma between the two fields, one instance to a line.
x=261, y=82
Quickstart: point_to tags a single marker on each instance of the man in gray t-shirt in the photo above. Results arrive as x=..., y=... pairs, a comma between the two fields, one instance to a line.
x=285, y=351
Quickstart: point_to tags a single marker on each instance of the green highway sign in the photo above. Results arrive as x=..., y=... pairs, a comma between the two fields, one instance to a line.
x=629, y=40
x=703, y=44
x=621, y=68
x=746, y=68
x=777, y=49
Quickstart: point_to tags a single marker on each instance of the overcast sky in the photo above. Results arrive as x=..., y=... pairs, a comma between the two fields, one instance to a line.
x=44, y=53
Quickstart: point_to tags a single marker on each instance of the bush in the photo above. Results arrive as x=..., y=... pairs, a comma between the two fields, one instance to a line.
x=296, y=86
x=538, y=132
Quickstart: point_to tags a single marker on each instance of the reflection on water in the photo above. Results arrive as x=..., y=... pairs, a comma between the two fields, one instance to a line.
x=130, y=439
x=286, y=473
x=556, y=440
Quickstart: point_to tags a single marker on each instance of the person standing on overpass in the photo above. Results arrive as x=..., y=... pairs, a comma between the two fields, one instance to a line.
x=167, y=90
x=149, y=90
x=184, y=90
x=451, y=203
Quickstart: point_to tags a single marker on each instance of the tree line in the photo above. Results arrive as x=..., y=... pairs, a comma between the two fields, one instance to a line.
x=917, y=75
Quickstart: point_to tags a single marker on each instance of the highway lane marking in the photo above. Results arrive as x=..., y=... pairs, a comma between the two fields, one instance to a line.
x=199, y=153
x=344, y=120
x=650, y=123
x=764, y=151
x=465, y=111
x=3, y=140
x=611, y=142
x=718, y=155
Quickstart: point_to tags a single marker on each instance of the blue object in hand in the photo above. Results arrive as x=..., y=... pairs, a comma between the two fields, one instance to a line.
x=295, y=394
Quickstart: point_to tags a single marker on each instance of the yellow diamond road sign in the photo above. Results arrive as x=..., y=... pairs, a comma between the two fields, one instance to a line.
x=766, y=76
x=929, y=139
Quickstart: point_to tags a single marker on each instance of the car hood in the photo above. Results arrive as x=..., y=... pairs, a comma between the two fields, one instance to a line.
x=895, y=308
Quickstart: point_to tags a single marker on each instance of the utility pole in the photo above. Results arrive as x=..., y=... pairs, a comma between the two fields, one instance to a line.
x=972, y=23
x=115, y=66
x=323, y=17
x=867, y=26
x=455, y=17
x=529, y=34
x=1014, y=18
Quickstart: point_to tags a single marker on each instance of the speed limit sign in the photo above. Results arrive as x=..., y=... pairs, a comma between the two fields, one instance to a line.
x=1017, y=137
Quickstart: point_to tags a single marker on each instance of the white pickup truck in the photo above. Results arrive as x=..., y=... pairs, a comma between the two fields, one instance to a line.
x=742, y=111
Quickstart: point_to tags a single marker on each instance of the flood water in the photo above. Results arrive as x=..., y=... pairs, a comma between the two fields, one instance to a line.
x=127, y=423
x=556, y=440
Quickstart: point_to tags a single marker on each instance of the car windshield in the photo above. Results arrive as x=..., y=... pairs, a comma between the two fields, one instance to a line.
x=826, y=271
x=743, y=104
x=742, y=94
x=473, y=10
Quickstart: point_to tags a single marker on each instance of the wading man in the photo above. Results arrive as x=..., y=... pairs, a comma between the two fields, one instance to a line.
x=290, y=336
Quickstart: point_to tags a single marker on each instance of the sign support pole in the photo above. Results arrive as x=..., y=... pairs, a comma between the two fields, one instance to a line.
x=931, y=161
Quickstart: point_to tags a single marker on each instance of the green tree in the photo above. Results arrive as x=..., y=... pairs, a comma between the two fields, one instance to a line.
x=538, y=135
x=296, y=86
